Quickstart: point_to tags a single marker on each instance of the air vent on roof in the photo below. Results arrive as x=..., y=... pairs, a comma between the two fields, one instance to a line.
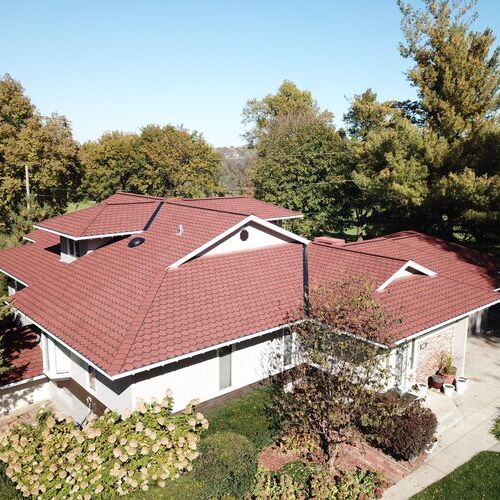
x=180, y=230
x=135, y=242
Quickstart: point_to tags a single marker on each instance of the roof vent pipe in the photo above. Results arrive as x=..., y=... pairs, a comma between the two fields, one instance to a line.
x=180, y=230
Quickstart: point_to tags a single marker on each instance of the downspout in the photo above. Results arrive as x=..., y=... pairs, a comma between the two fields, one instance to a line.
x=305, y=280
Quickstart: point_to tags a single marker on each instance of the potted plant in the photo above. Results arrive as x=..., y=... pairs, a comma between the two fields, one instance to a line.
x=437, y=382
x=446, y=369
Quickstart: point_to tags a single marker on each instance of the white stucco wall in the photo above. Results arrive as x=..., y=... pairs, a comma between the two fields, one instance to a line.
x=17, y=397
x=193, y=378
x=258, y=237
x=198, y=377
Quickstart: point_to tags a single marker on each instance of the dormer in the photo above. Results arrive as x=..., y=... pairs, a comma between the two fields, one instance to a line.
x=411, y=268
x=87, y=230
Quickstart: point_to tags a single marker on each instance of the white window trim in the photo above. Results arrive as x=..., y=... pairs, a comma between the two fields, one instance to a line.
x=231, y=386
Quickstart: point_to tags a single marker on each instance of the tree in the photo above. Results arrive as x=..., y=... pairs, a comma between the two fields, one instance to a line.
x=457, y=76
x=301, y=165
x=178, y=163
x=113, y=163
x=342, y=351
x=44, y=144
x=288, y=100
x=456, y=72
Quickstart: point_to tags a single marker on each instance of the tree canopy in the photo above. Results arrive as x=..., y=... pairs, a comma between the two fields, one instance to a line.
x=160, y=161
x=44, y=144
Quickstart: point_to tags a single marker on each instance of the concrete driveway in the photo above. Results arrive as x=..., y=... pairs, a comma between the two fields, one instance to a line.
x=477, y=407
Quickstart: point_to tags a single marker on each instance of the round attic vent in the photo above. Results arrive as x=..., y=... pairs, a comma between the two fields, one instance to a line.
x=244, y=235
x=135, y=242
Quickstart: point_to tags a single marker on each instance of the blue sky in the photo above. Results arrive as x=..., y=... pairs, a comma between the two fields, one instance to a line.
x=119, y=65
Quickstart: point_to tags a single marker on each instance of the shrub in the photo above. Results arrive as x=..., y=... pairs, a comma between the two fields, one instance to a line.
x=400, y=427
x=227, y=465
x=289, y=483
x=496, y=428
x=112, y=455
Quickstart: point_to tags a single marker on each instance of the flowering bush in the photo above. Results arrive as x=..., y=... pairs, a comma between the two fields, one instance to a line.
x=113, y=454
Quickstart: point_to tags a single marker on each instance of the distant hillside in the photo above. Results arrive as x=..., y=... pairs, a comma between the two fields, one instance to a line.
x=235, y=173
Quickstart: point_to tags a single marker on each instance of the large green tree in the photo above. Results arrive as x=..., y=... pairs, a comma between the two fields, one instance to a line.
x=161, y=161
x=457, y=76
x=43, y=144
x=301, y=164
x=289, y=99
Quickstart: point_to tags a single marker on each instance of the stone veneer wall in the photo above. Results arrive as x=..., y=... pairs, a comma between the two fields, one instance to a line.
x=429, y=350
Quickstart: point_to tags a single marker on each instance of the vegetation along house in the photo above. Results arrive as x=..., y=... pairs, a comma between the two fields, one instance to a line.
x=139, y=294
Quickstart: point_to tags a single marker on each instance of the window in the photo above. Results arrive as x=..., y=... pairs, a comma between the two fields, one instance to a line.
x=92, y=380
x=46, y=353
x=225, y=367
x=287, y=349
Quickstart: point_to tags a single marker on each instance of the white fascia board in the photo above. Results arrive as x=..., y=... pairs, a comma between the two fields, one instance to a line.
x=401, y=272
x=13, y=277
x=232, y=229
x=22, y=382
x=270, y=219
x=444, y=323
x=202, y=351
x=74, y=351
x=29, y=239
x=93, y=237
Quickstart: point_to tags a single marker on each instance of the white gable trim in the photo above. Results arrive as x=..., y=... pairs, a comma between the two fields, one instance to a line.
x=29, y=239
x=244, y=222
x=270, y=219
x=78, y=238
x=403, y=271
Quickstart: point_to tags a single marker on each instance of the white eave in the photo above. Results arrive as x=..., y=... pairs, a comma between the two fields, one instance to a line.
x=289, y=217
x=232, y=229
x=92, y=237
x=403, y=271
x=13, y=277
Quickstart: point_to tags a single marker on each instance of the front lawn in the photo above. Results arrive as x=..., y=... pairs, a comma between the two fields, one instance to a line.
x=248, y=416
x=478, y=478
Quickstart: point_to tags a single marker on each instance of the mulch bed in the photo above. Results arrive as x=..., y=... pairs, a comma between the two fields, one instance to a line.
x=350, y=457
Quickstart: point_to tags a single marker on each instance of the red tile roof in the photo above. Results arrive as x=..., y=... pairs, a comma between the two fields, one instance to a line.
x=122, y=308
x=22, y=352
x=241, y=205
x=112, y=216
x=217, y=299
x=465, y=279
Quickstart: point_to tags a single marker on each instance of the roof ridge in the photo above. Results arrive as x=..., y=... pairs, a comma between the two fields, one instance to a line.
x=139, y=195
x=180, y=204
x=137, y=321
x=218, y=198
x=335, y=247
x=104, y=205
x=386, y=237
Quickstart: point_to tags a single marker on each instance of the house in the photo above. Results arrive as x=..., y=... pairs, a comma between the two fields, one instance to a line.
x=139, y=294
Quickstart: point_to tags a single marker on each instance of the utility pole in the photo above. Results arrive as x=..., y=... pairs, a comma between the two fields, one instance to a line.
x=27, y=182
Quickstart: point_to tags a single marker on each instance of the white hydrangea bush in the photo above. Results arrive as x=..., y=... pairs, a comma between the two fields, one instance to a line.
x=113, y=454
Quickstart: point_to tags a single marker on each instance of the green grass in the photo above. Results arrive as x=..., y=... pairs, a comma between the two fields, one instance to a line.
x=249, y=415
x=72, y=207
x=7, y=488
x=478, y=478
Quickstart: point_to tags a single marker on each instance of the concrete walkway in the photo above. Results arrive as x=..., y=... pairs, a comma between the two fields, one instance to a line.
x=478, y=407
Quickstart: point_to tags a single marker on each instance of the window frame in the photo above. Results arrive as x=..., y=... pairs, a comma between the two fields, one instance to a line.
x=230, y=349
